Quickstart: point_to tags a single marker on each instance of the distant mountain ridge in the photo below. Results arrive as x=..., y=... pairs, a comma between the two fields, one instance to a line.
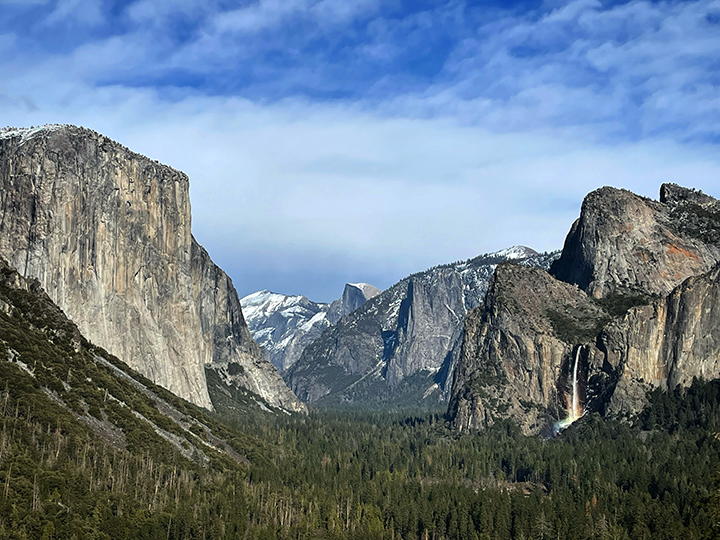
x=397, y=349
x=284, y=325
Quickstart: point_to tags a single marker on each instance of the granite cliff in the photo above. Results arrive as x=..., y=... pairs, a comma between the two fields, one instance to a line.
x=664, y=344
x=107, y=232
x=399, y=348
x=631, y=301
x=354, y=295
x=518, y=349
x=625, y=244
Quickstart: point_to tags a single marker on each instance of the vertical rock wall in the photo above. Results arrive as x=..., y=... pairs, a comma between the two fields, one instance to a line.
x=107, y=233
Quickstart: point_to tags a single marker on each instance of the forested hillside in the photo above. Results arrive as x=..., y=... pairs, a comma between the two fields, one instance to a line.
x=367, y=476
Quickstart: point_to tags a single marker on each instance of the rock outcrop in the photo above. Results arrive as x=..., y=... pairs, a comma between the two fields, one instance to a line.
x=107, y=233
x=519, y=348
x=634, y=304
x=397, y=349
x=354, y=295
x=284, y=325
x=664, y=344
x=626, y=244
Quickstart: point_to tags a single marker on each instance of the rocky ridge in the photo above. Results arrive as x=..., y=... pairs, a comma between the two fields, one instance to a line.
x=284, y=325
x=632, y=301
x=107, y=232
x=398, y=348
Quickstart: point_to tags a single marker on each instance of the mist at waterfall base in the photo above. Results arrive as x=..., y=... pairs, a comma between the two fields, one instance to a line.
x=575, y=409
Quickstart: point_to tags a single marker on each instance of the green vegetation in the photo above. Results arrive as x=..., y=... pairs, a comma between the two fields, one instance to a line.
x=582, y=324
x=365, y=475
x=372, y=393
x=702, y=222
x=577, y=328
x=78, y=462
x=619, y=303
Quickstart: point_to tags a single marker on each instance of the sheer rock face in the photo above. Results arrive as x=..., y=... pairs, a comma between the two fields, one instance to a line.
x=354, y=295
x=398, y=348
x=663, y=344
x=624, y=243
x=518, y=350
x=107, y=233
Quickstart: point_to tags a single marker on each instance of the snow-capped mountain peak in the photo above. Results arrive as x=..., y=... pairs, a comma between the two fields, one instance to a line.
x=515, y=252
x=284, y=324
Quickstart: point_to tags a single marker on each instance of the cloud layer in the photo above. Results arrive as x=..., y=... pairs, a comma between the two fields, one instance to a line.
x=357, y=140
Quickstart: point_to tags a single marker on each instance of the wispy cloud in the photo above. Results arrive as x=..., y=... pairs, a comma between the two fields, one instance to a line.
x=367, y=139
x=24, y=2
x=85, y=12
x=268, y=14
x=632, y=70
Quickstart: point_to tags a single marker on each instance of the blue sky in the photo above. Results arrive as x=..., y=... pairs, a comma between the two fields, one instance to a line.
x=362, y=140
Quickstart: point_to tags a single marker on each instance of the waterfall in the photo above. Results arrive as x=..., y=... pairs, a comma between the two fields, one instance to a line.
x=575, y=410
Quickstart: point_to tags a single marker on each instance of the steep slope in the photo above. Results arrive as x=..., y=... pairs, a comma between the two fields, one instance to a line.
x=90, y=448
x=644, y=324
x=397, y=348
x=44, y=355
x=284, y=325
x=107, y=233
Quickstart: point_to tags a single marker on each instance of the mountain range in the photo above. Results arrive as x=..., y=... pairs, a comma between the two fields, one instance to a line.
x=627, y=306
x=284, y=325
x=400, y=347
x=135, y=402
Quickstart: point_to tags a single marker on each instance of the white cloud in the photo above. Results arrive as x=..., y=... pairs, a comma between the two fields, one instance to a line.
x=642, y=67
x=156, y=12
x=85, y=12
x=335, y=182
x=266, y=14
x=259, y=16
x=343, y=10
x=499, y=150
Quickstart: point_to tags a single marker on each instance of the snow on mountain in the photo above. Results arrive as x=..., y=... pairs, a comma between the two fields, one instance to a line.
x=27, y=133
x=400, y=348
x=515, y=252
x=284, y=325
